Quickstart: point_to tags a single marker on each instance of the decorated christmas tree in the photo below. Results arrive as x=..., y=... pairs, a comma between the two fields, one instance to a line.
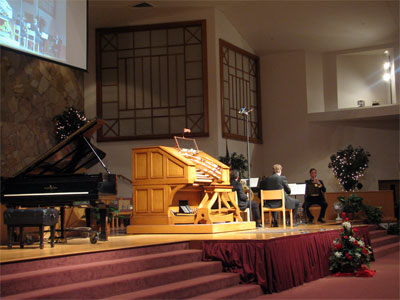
x=348, y=166
x=68, y=122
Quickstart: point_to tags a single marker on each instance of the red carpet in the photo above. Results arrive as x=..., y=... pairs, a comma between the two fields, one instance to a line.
x=384, y=284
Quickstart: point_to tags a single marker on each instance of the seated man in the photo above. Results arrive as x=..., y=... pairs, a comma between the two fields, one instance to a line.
x=315, y=190
x=243, y=201
x=278, y=182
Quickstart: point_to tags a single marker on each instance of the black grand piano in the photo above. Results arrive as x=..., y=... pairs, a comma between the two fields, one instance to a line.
x=58, y=178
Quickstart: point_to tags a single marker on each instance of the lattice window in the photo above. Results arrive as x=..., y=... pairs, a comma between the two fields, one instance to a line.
x=151, y=81
x=239, y=88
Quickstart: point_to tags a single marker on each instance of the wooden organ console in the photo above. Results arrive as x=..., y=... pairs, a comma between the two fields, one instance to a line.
x=173, y=186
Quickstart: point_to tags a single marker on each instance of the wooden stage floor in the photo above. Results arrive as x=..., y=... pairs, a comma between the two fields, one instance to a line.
x=83, y=245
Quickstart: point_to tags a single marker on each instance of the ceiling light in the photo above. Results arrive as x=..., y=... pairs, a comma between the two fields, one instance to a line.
x=386, y=77
x=386, y=65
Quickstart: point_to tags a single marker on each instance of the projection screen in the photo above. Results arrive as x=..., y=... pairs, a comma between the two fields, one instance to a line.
x=52, y=29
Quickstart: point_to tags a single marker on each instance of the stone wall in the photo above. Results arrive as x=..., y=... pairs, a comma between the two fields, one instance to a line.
x=33, y=92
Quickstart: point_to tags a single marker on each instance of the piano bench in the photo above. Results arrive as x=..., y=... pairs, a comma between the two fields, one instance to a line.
x=30, y=217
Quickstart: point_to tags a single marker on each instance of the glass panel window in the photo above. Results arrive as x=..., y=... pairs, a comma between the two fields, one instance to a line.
x=151, y=81
x=239, y=88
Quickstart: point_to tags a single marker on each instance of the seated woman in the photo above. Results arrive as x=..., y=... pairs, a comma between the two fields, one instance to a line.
x=314, y=195
x=243, y=200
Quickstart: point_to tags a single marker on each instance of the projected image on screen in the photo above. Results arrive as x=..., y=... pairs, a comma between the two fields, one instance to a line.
x=45, y=28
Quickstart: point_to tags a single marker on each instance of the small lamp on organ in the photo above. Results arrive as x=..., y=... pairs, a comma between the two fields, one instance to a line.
x=186, y=130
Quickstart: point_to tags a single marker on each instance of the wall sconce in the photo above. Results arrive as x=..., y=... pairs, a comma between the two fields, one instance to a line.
x=386, y=67
x=387, y=76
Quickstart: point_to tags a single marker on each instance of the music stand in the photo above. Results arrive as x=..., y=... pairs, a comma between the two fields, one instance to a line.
x=185, y=143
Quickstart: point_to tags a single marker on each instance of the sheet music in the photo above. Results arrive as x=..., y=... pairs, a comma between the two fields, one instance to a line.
x=297, y=188
x=254, y=182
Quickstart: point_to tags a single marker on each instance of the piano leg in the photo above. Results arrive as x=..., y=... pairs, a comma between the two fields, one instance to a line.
x=88, y=216
x=10, y=233
x=62, y=239
x=52, y=229
x=21, y=236
x=103, y=211
x=103, y=220
x=62, y=222
x=41, y=236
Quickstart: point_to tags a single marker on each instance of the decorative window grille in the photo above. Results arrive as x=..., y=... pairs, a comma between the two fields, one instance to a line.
x=152, y=81
x=240, y=87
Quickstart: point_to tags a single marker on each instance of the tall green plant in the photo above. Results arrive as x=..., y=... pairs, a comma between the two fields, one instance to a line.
x=235, y=162
x=374, y=214
x=351, y=204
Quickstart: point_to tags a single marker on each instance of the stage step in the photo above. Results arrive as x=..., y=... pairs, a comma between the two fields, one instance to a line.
x=374, y=233
x=23, y=282
x=185, y=289
x=383, y=243
x=82, y=258
x=169, y=272
x=122, y=284
x=384, y=240
x=386, y=250
x=241, y=291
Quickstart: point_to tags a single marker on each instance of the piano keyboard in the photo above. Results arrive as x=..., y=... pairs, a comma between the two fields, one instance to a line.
x=46, y=194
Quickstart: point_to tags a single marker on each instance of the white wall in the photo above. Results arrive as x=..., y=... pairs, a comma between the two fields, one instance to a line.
x=315, y=91
x=297, y=144
x=359, y=77
x=284, y=99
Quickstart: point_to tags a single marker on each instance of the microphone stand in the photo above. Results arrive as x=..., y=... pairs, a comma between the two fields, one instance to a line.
x=245, y=112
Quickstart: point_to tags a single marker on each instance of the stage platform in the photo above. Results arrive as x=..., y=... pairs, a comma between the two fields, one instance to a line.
x=191, y=228
x=83, y=245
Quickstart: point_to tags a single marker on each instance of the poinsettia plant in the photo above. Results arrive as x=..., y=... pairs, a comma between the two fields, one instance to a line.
x=350, y=252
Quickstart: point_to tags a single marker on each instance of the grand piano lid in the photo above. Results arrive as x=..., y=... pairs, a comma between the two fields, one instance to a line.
x=72, y=155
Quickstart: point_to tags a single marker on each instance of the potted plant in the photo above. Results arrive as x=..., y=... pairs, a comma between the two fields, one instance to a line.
x=351, y=205
x=350, y=253
x=373, y=214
